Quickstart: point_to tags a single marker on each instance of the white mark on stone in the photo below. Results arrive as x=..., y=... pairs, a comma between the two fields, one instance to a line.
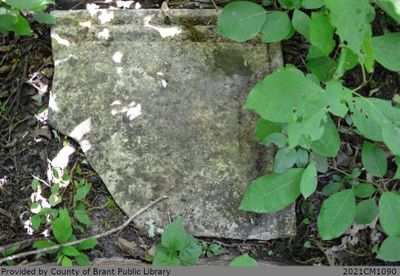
x=106, y=16
x=53, y=103
x=60, y=40
x=120, y=70
x=117, y=57
x=81, y=130
x=160, y=73
x=62, y=158
x=133, y=110
x=86, y=24
x=117, y=102
x=163, y=31
x=164, y=83
x=104, y=34
x=63, y=60
x=85, y=145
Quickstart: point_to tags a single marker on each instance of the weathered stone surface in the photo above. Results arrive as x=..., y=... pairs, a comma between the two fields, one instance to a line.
x=157, y=109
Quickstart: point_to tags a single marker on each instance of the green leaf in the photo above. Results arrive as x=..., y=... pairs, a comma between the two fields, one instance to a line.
x=265, y=128
x=374, y=159
x=364, y=190
x=244, y=260
x=336, y=89
x=397, y=174
x=43, y=244
x=70, y=251
x=313, y=4
x=347, y=60
x=174, y=236
x=82, y=191
x=89, y=243
x=82, y=260
x=44, y=18
x=55, y=199
x=391, y=7
x=336, y=215
x=294, y=90
x=277, y=27
x=389, y=250
x=329, y=143
x=331, y=188
x=366, y=211
x=321, y=32
x=309, y=180
x=285, y=158
x=65, y=261
x=276, y=138
x=35, y=183
x=36, y=222
x=22, y=27
x=351, y=19
x=301, y=158
x=389, y=213
x=321, y=163
x=165, y=257
x=28, y=5
x=290, y=4
x=62, y=227
x=241, y=20
x=301, y=23
x=323, y=67
x=82, y=216
x=387, y=50
x=273, y=192
x=191, y=252
x=7, y=21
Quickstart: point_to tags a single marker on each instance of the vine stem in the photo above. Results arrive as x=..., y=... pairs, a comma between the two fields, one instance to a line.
x=101, y=235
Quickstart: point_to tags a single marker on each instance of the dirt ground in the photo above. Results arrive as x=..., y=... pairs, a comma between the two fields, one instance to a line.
x=27, y=144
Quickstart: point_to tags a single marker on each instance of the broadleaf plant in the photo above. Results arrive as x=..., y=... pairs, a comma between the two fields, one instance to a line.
x=298, y=112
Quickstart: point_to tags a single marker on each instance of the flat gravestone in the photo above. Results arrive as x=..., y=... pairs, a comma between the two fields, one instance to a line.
x=155, y=102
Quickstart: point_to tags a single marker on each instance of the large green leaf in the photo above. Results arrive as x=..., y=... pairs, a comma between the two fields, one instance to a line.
x=29, y=4
x=321, y=32
x=391, y=7
x=323, y=67
x=351, y=19
x=273, y=192
x=387, y=50
x=301, y=23
x=329, y=143
x=374, y=159
x=174, y=236
x=284, y=159
x=241, y=20
x=264, y=128
x=366, y=211
x=190, y=253
x=244, y=260
x=22, y=27
x=309, y=180
x=277, y=27
x=165, y=257
x=282, y=95
x=389, y=213
x=337, y=214
x=62, y=227
x=364, y=190
x=389, y=250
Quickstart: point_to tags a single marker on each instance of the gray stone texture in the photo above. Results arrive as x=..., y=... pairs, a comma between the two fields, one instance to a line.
x=156, y=102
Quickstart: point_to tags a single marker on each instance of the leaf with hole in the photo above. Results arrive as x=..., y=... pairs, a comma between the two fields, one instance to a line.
x=366, y=211
x=273, y=192
x=277, y=27
x=374, y=159
x=389, y=213
x=241, y=20
x=336, y=215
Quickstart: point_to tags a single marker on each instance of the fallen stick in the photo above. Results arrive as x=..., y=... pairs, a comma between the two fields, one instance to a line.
x=98, y=236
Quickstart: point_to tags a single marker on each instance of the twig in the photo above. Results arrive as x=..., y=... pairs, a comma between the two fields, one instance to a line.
x=98, y=236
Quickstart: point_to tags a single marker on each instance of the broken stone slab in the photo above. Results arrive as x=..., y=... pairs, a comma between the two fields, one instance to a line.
x=156, y=102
